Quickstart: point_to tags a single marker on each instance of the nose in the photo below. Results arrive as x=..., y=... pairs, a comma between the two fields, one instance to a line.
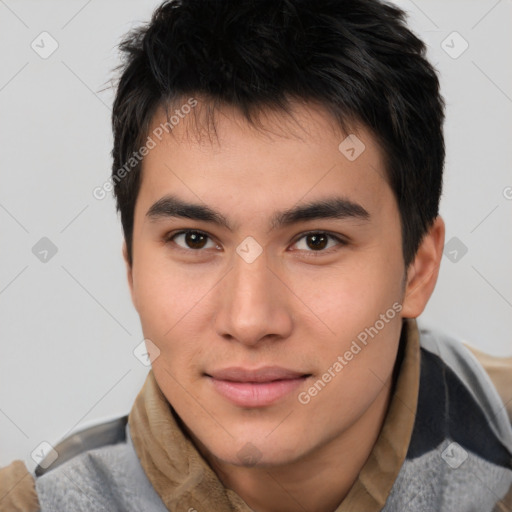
x=253, y=305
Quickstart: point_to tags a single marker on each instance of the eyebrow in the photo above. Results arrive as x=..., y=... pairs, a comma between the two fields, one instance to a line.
x=171, y=206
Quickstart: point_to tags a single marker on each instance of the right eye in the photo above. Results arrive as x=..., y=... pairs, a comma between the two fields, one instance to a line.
x=191, y=240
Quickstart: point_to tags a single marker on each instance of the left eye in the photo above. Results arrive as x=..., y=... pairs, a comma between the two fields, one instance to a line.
x=318, y=241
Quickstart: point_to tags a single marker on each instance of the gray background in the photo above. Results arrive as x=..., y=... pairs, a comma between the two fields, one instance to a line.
x=68, y=329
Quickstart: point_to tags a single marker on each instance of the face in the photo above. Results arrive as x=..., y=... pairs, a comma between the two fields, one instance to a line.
x=277, y=321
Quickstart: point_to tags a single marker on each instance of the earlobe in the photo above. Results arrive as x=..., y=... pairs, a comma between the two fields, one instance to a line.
x=423, y=271
x=129, y=272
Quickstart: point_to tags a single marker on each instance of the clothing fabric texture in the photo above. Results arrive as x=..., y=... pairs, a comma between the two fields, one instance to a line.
x=445, y=446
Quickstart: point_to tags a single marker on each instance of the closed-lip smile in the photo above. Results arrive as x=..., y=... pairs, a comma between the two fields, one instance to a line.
x=255, y=387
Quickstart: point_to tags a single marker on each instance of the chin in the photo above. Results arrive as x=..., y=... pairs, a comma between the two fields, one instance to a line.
x=255, y=448
x=251, y=455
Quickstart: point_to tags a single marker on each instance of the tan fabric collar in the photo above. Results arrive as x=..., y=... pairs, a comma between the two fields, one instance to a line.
x=17, y=489
x=184, y=480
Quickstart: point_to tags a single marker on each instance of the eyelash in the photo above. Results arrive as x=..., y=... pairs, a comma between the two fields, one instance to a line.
x=341, y=242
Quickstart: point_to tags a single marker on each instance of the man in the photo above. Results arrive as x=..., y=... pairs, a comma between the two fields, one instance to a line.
x=278, y=168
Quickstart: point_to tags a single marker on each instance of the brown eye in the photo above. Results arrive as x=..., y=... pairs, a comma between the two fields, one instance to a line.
x=195, y=240
x=191, y=240
x=318, y=242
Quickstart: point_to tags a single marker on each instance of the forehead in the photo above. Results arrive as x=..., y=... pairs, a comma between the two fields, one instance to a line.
x=279, y=160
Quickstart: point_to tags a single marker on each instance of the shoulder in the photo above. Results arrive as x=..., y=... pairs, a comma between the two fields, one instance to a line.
x=98, y=436
x=96, y=469
x=499, y=370
x=81, y=471
x=460, y=453
x=466, y=380
x=102, y=472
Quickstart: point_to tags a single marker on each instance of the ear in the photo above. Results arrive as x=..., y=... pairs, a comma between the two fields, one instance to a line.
x=129, y=272
x=423, y=271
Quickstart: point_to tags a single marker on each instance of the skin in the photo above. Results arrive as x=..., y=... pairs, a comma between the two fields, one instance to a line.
x=294, y=306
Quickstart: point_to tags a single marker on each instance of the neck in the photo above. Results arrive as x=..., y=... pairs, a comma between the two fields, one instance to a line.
x=318, y=481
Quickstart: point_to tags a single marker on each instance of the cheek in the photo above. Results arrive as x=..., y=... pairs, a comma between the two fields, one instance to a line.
x=350, y=295
x=352, y=372
x=164, y=292
x=356, y=310
x=171, y=306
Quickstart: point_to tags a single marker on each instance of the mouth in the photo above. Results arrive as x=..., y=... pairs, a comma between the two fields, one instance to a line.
x=256, y=388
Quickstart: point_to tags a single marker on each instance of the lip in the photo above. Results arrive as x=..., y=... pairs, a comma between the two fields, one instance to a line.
x=256, y=387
